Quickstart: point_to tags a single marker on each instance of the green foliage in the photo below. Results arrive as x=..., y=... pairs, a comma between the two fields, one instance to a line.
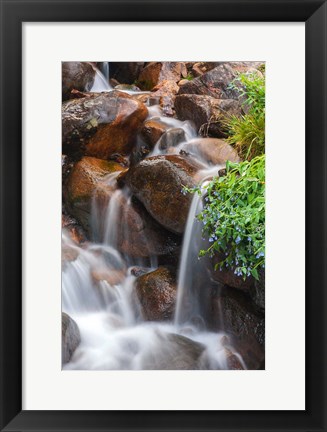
x=234, y=217
x=247, y=132
x=189, y=77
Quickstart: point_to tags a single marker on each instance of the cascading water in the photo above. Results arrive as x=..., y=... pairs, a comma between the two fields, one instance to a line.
x=98, y=292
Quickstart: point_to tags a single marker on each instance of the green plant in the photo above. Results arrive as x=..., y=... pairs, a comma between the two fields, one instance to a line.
x=189, y=77
x=234, y=217
x=247, y=132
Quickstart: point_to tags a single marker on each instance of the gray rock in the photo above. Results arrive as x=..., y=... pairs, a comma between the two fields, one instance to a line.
x=70, y=337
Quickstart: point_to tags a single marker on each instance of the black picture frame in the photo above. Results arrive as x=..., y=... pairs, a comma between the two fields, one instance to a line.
x=13, y=14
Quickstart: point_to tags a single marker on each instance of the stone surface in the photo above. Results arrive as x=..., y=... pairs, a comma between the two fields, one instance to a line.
x=152, y=130
x=177, y=352
x=171, y=138
x=207, y=113
x=77, y=76
x=212, y=150
x=157, y=182
x=234, y=313
x=70, y=337
x=155, y=72
x=216, y=82
x=257, y=291
x=102, y=124
x=87, y=178
x=156, y=292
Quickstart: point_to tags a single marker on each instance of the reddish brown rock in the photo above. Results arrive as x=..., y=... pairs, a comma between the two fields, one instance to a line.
x=88, y=178
x=155, y=72
x=76, y=76
x=102, y=124
x=139, y=235
x=152, y=130
x=158, y=183
x=156, y=292
x=72, y=227
x=206, y=113
x=212, y=150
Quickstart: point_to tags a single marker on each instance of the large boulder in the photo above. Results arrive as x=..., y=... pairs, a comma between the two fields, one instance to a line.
x=176, y=352
x=70, y=337
x=216, y=82
x=88, y=178
x=207, y=113
x=76, y=76
x=158, y=183
x=138, y=235
x=234, y=313
x=156, y=292
x=101, y=125
x=155, y=72
x=212, y=150
x=93, y=183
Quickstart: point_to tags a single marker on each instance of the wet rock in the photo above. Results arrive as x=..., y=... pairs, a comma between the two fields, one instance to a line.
x=73, y=228
x=166, y=91
x=155, y=72
x=226, y=276
x=87, y=178
x=172, y=138
x=77, y=76
x=102, y=124
x=152, y=130
x=139, y=271
x=257, y=291
x=158, y=182
x=216, y=82
x=129, y=87
x=177, y=352
x=139, y=235
x=206, y=113
x=70, y=337
x=233, y=312
x=112, y=277
x=156, y=292
x=125, y=72
x=212, y=150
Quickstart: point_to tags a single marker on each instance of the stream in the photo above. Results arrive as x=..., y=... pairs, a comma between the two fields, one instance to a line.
x=114, y=334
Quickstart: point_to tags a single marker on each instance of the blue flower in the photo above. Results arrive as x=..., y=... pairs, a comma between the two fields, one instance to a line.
x=238, y=239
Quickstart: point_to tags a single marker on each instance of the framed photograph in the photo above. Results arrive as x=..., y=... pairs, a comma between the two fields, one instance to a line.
x=163, y=214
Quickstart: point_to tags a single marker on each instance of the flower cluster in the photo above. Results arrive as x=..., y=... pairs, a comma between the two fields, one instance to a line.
x=234, y=217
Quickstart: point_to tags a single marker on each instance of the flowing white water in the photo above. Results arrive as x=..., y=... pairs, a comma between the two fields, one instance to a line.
x=98, y=292
x=101, y=83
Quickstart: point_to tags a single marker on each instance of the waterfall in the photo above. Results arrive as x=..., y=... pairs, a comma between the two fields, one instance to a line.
x=101, y=82
x=98, y=287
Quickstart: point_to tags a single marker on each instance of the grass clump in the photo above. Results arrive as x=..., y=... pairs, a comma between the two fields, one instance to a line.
x=247, y=132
